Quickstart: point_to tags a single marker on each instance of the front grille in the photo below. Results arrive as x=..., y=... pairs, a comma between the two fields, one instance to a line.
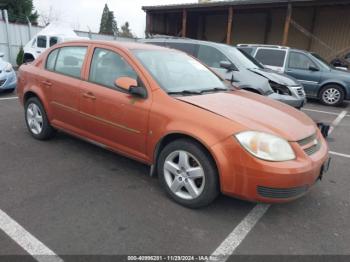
x=313, y=149
x=300, y=92
x=307, y=140
x=281, y=193
x=2, y=82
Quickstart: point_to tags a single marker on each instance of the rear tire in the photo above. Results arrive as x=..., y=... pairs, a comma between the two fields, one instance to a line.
x=332, y=95
x=188, y=173
x=36, y=120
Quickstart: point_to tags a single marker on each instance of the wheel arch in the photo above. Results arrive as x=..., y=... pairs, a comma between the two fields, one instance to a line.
x=341, y=85
x=28, y=56
x=36, y=93
x=168, y=138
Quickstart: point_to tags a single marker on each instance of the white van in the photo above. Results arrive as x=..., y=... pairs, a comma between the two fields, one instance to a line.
x=49, y=36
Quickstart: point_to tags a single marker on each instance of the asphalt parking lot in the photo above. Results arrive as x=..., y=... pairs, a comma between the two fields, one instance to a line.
x=78, y=199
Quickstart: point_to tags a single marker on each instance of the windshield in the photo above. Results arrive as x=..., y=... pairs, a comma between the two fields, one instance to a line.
x=242, y=59
x=178, y=72
x=321, y=60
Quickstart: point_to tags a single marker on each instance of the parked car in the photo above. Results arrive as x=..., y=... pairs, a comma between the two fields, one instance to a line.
x=331, y=86
x=46, y=38
x=243, y=70
x=340, y=63
x=8, y=78
x=166, y=109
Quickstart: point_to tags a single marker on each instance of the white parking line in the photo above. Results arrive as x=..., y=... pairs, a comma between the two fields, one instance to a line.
x=337, y=121
x=235, y=238
x=323, y=112
x=339, y=154
x=9, y=98
x=27, y=241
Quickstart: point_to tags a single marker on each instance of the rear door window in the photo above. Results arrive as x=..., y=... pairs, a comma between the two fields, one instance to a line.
x=271, y=57
x=51, y=60
x=70, y=60
x=185, y=47
x=211, y=56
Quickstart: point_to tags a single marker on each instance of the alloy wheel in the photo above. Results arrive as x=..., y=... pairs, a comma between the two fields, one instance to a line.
x=184, y=175
x=331, y=96
x=34, y=119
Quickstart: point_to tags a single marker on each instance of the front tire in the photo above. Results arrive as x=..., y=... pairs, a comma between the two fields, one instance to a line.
x=188, y=173
x=36, y=120
x=332, y=95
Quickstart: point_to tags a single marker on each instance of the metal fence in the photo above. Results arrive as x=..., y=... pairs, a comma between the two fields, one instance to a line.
x=13, y=36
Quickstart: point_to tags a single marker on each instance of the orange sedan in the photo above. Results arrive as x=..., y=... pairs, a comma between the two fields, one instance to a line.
x=166, y=109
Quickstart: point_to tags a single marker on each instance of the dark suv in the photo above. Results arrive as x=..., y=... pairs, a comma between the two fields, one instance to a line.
x=326, y=83
x=242, y=69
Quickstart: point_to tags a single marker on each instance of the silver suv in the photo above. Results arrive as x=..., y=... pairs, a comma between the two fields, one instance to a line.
x=320, y=80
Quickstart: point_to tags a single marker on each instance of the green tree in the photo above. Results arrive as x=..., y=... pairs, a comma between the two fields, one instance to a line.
x=126, y=31
x=20, y=10
x=104, y=20
x=108, y=23
x=20, y=56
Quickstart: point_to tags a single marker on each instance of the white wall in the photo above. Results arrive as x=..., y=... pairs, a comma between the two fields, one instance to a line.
x=21, y=34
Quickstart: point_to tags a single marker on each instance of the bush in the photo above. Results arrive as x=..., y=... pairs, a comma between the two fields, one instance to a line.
x=20, y=55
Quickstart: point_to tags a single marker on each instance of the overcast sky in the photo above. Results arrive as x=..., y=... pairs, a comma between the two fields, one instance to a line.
x=85, y=14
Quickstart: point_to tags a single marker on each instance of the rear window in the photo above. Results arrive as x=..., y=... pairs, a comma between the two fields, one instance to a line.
x=247, y=50
x=187, y=48
x=271, y=57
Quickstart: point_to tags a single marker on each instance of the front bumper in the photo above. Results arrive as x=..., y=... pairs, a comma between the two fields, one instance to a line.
x=297, y=102
x=246, y=177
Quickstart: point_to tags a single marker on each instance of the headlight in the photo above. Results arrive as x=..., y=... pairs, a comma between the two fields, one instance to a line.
x=8, y=68
x=280, y=89
x=266, y=146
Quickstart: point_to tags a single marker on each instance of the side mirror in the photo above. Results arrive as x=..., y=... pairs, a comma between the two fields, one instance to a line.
x=227, y=65
x=2, y=55
x=313, y=68
x=130, y=85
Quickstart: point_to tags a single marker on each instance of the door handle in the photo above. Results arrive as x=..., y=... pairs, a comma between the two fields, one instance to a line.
x=46, y=83
x=89, y=95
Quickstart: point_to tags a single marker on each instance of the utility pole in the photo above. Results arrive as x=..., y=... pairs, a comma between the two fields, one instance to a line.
x=7, y=34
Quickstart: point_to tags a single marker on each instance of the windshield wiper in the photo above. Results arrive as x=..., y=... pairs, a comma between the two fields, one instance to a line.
x=185, y=92
x=216, y=89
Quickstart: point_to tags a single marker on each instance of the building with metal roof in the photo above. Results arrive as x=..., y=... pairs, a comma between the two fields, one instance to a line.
x=321, y=26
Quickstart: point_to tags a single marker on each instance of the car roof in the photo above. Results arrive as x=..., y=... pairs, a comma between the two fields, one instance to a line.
x=120, y=44
x=184, y=40
x=272, y=47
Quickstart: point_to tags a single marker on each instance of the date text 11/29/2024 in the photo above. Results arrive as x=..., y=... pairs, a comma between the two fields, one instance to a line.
x=172, y=258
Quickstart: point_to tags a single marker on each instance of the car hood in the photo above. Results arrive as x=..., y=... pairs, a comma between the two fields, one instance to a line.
x=255, y=112
x=340, y=73
x=278, y=77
